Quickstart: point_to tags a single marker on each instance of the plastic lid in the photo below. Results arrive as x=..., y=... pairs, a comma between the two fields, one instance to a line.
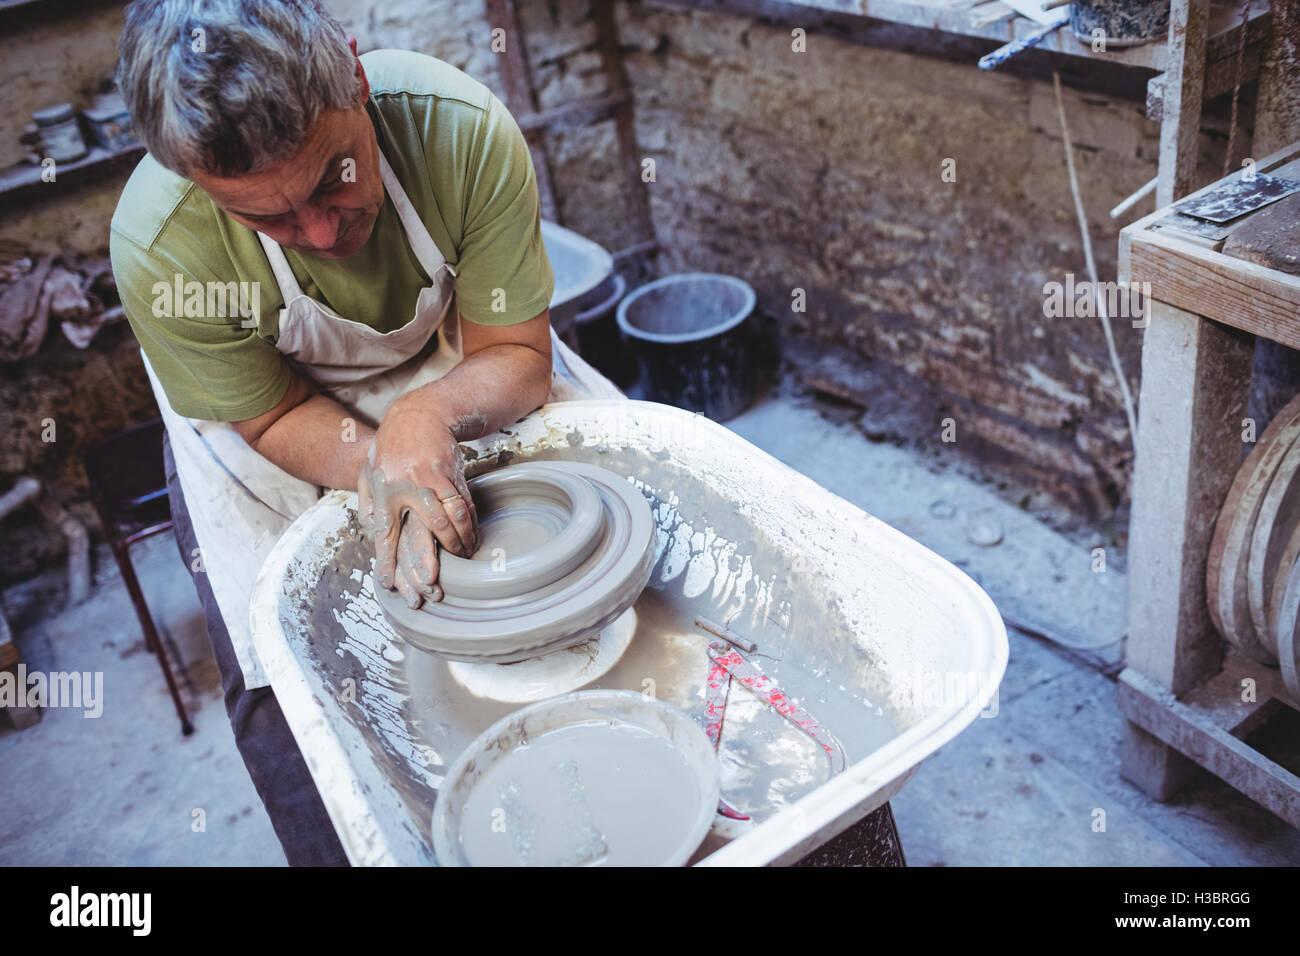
x=54, y=115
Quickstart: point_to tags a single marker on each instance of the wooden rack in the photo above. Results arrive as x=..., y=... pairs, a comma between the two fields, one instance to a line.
x=1182, y=695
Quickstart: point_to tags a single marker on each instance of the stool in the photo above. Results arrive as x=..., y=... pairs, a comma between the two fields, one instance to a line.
x=129, y=489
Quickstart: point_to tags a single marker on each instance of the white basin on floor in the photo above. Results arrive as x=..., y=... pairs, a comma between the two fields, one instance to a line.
x=579, y=265
x=889, y=646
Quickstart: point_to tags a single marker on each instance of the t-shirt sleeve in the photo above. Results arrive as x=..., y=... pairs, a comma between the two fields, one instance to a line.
x=211, y=366
x=503, y=274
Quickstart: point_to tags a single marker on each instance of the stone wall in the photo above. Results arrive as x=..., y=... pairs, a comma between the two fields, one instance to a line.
x=821, y=171
x=57, y=52
x=817, y=171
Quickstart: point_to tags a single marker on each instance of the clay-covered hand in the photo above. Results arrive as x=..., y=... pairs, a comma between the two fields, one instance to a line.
x=412, y=492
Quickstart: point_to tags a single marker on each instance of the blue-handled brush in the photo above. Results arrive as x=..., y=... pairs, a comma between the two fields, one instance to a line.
x=1004, y=53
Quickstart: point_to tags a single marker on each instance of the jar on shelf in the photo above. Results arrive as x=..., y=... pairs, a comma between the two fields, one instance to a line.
x=60, y=136
x=109, y=122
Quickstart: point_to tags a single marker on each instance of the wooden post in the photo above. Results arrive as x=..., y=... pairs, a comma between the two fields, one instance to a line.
x=629, y=160
x=1277, y=111
x=1195, y=375
x=1184, y=84
x=521, y=98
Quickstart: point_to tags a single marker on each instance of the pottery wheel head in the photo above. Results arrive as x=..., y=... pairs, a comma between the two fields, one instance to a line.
x=565, y=548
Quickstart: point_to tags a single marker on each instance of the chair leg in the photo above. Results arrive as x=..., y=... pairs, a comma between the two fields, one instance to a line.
x=151, y=636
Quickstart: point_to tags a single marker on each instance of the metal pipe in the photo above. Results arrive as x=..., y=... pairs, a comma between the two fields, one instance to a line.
x=24, y=489
x=1146, y=190
x=78, y=547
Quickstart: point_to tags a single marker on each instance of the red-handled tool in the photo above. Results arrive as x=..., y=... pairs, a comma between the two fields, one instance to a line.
x=715, y=704
x=725, y=658
x=725, y=663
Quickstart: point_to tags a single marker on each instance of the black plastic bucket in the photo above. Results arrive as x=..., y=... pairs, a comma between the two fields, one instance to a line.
x=692, y=341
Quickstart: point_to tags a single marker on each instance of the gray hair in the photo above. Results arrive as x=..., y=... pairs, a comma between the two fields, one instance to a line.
x=228, y=86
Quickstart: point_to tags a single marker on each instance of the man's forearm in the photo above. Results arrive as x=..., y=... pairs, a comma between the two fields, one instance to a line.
x=318, y=441
x=489, y=389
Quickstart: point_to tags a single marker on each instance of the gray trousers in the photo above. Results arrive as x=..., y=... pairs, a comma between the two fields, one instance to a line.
x=263, y=737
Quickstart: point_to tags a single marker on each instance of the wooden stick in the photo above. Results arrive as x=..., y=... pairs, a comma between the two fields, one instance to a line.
x=999, y=13
x=727, y=634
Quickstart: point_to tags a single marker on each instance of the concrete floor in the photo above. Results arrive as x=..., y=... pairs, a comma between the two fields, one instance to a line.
x=1020, y=788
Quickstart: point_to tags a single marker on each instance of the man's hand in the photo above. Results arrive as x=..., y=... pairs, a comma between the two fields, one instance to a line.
x=412, y=492
x=412, y=484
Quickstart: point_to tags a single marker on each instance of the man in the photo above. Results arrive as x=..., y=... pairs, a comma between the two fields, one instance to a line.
x=299, y=204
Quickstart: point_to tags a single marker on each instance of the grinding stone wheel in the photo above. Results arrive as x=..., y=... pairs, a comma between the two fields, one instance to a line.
x=1279, y=515
x=1288, y=622
x=1290, y=555
x=517, y=606
x=1226, y=568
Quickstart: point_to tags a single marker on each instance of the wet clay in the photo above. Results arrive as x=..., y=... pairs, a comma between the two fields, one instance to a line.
x=538, y=524
x=592, y=794
x=528, y=621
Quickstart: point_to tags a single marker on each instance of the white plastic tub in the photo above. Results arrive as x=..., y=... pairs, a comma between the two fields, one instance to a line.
x=888, y=645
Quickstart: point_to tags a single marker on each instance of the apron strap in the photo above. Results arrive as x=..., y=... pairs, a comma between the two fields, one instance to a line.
x=422, y=244
x=284, y=277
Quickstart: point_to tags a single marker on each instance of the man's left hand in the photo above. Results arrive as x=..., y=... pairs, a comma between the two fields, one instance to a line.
x=412, y=492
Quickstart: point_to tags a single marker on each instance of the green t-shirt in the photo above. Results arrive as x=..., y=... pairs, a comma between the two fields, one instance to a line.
x=447, y=137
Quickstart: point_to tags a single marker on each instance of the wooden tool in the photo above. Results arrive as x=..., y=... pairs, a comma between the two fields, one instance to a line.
x=727, y=634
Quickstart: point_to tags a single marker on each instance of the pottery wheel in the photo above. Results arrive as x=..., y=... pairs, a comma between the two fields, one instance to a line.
x=565, y=548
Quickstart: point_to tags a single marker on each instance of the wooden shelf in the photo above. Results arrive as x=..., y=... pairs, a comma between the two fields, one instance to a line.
x=1183, y=698
x=954, y=16
x=1193, y=274
x=25, y=178
x=1209, y=723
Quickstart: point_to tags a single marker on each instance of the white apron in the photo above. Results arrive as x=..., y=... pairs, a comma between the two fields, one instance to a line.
x=239, y=501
